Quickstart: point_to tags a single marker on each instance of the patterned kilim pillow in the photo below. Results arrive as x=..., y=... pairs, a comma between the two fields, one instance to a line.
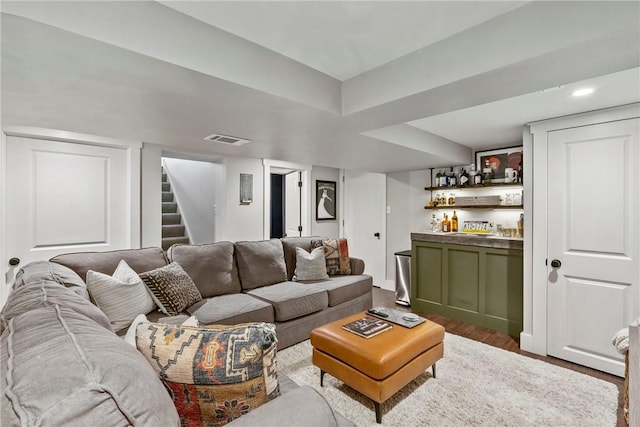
x=214, y=374
x=336, y=252
x=172, y=288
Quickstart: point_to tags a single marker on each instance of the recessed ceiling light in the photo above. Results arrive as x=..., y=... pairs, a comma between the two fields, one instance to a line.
x=583, y=92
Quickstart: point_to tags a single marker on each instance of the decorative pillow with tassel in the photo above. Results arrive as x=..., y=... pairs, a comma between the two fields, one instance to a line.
x=214, y=374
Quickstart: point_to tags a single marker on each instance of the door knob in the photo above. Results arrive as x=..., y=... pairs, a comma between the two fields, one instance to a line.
x=556, y=263
x=377, y=235
x=14, y=261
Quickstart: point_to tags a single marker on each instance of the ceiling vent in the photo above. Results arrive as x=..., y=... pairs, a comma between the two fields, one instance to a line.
x=226, y=139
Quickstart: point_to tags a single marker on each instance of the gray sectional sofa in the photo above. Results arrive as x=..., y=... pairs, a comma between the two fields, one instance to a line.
x=62, y=364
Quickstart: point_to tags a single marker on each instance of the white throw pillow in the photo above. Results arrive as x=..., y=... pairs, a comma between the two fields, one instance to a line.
x=310, y=266
x=121, y=297
x=130, y=337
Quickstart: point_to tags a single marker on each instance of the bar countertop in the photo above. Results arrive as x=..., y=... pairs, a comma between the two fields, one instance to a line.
x=471, y=239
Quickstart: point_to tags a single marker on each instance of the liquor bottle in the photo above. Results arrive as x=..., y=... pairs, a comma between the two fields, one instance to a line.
x=436, y=183
x=487, y=174
x=452, y=199
x=453, y=180
x=435, y=227
x=454, y=222
x=474, y=176
x=446, y=224
x=463, y=179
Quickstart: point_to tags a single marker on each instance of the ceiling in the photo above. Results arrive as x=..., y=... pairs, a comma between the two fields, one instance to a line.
x=378, y=86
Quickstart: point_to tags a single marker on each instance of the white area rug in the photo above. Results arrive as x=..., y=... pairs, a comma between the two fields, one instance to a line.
x=476, y=385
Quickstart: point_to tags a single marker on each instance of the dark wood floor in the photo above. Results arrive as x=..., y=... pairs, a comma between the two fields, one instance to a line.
x=386, y=298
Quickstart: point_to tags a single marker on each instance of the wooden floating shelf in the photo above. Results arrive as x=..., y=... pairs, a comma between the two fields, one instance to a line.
x=474, y=187
x=476, y=207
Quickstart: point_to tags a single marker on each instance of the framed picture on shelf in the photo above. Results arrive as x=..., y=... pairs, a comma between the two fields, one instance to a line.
x=500, y=160
x=325, y=200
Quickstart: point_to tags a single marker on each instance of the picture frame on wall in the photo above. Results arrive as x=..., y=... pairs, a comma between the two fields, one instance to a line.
x=499, y=160
x=325, y=200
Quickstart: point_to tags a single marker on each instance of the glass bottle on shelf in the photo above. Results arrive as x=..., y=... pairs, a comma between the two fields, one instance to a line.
x=463, y=179
x=436, y=183
x=452, y=199
x=453, y=180
x=487, y=174
x=446, y=224
x=454, y=222
x=435, y=227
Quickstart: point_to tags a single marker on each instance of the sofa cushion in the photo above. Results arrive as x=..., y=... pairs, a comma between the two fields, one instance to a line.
x=121, y=297
x=260, y=263
x=211, y=266
x=345, y=288
x=289, y=245
x=310, y=266
x=291, y=300
x=106, y=262
x=36, y=271
x=336, y=252
x=214, y=374
x=172, y=288
x=232, y=309
x=302, y=406
x=47, y=293
x=62, y=368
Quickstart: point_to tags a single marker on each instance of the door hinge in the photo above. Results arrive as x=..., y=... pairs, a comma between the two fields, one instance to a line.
x=300, y=228
x=299, y=183
x=546, y=261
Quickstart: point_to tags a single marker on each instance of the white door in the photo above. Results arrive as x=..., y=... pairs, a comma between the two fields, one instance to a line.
x=364, y=224
x=67, y=197
x=293, y=206
x=593, y=229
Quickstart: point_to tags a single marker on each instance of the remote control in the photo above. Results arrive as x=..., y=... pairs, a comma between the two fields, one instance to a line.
x=378, y=312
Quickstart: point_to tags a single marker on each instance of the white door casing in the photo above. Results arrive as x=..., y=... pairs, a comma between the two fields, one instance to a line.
x=274, y=166
x=364, y=212
x=65, y=192
x=593, y=217
x=293, y=204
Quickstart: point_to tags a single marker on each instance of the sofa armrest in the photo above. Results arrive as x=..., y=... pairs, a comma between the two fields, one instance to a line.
x=357, y=266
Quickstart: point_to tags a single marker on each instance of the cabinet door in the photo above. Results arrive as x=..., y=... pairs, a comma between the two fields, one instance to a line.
x=593, y=217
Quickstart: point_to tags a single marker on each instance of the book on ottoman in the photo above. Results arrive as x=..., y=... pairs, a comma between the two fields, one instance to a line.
x=367, y=327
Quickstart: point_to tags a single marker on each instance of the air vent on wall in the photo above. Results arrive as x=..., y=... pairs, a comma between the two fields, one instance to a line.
x=226, y=139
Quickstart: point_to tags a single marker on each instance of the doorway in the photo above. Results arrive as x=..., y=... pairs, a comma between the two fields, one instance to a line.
x=294, y=201
x=286, y=203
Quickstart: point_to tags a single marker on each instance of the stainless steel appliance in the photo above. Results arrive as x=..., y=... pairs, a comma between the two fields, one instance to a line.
x=403, y=277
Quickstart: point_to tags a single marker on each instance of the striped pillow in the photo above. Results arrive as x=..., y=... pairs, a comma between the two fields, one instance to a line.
x=121, y=297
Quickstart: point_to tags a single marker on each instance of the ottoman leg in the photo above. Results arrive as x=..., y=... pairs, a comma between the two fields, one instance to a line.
x=433, y=369
x=378, y=412
x=321, y=378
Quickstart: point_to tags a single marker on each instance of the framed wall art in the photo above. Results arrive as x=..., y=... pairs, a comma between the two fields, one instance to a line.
x=325, y=200
x=500, y=159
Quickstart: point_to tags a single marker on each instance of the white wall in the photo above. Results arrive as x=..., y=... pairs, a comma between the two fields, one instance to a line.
x=194, y=187
x=243, y=222
x=325, y=228
x=406, y=199
x=151, y=197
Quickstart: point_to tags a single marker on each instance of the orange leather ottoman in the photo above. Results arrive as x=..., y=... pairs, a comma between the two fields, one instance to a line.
x=381, y=365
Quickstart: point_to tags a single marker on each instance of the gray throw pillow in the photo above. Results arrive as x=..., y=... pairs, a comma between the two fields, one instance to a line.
x=310, y=266
x=171, y=288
